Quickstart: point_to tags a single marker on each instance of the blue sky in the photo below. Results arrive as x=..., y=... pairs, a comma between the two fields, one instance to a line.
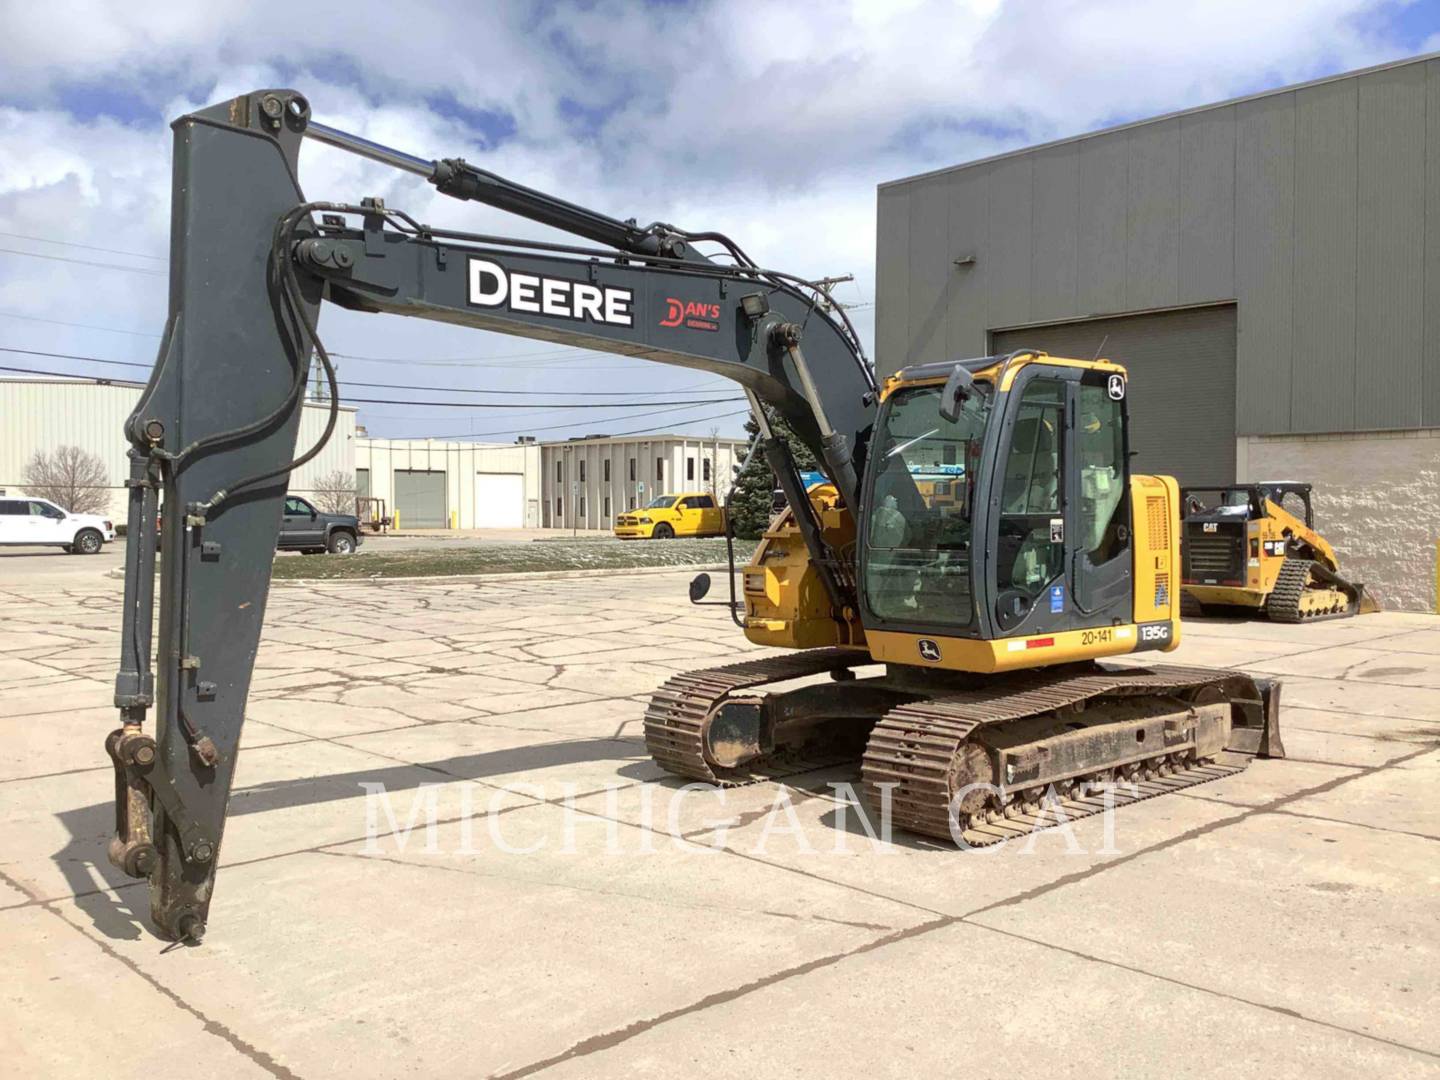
x=771, y=121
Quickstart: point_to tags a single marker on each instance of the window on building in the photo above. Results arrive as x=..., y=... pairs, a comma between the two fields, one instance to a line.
x=605, y=470
x=689, y=468
x=632, y=502
x=632, y=474
x=705, y=469
x=582, y=474
x=559, y=509
x=606, y=504
x=559, y=472
x=659, y=470
x=582, y=508
x=362, y=483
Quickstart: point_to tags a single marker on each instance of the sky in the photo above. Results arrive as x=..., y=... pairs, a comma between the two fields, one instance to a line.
x=772, y=122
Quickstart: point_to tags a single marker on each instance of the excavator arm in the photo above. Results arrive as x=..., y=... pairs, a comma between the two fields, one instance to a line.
x=215, y=430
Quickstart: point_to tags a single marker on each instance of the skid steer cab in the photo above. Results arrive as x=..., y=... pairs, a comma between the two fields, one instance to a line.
x=1254, y=547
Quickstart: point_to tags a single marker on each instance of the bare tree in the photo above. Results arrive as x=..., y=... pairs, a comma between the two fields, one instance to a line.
x=71, y=478
x=335, y=492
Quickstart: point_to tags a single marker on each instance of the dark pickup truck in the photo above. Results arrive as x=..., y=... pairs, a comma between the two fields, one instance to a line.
x=303, y=528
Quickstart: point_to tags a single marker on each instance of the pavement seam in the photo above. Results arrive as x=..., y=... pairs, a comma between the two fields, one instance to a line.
x=606, y=1040
x=1282, y=1010
x=1191, y=834
x=790, y=915
x=210, y=1026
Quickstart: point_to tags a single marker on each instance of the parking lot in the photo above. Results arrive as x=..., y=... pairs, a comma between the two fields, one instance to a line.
x=573, y=914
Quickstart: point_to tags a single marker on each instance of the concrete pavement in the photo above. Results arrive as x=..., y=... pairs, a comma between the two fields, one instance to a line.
x=572, y=914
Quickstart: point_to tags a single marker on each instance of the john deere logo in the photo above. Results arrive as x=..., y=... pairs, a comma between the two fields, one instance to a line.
x=1116, y=387
x=929, y=651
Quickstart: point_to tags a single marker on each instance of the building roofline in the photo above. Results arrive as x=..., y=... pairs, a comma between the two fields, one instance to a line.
x=1192, y=111
x=659, y=436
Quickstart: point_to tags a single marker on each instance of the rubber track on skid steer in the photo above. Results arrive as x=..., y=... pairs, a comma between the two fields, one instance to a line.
x=914, y=746
x=1283, y=603
x=675, y=718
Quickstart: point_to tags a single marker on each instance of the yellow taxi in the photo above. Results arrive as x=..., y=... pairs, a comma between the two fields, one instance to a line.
x=691, y=513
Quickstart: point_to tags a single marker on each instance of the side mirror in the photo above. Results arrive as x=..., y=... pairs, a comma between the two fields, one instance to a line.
x=957, y=388
x=699, y=587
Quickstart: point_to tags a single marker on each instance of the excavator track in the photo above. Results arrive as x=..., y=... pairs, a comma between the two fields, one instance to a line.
x=914, y=756
x=679, y=710
x=1296, y=599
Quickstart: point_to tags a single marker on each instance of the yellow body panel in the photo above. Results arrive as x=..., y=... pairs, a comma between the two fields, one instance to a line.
x=786, y=605
x=683, y=519
x=1006, y=654
x=1155, y=544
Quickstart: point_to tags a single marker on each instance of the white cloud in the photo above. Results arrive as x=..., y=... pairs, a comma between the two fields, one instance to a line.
x=772, y=121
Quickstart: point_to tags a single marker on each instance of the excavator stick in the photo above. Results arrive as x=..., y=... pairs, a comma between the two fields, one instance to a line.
x=226, y=354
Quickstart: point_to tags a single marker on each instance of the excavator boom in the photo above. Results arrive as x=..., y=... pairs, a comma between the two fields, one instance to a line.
x=214, y=433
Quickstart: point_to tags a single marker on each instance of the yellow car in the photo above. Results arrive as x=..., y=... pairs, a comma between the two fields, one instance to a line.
x=692, y=513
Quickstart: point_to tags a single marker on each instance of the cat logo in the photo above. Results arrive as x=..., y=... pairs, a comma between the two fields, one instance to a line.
x=929, y=650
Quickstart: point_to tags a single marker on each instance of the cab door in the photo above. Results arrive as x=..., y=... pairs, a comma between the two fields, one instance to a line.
x=687, y=517
x=711, y=519
x=14, y=521
x=47, y=523
x=300, y=527
x=1030, y=507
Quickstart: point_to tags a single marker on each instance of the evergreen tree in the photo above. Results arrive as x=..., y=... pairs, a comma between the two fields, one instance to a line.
x=750, y=498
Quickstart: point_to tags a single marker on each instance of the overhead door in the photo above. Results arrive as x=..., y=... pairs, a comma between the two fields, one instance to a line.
x=1182, y=383
x=499, y=500
x=420, y=499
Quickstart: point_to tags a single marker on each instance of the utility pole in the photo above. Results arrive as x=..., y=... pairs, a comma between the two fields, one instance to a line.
x=826, y=285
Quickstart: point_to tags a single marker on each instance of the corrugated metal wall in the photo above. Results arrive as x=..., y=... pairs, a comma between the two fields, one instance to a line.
x=1182, y=381
x=43, y=415
x=1311, y=207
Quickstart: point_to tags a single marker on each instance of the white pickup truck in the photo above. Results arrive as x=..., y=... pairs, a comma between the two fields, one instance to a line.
x=39, y=521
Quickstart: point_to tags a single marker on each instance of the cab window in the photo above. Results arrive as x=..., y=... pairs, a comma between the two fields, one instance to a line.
x=297, y=506
x=40, y=509
x=1101, y=443
x=1031, y=553
x=917, y=559
x=701, y=502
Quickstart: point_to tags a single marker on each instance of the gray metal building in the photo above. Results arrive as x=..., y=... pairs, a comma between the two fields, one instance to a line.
x=1268, y=268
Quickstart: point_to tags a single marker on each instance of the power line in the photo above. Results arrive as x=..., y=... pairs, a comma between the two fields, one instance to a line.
x=84, y=262
x=87, y=247
x=79, y=325
x=557, y=427
x=391, y=386
x=439, y=405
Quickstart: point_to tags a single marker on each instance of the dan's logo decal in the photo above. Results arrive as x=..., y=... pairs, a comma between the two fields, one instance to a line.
x=691, y=314
x=929, y=650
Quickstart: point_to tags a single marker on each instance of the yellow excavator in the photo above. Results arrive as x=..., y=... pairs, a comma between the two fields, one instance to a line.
x=945, y=598
x=1254, y=546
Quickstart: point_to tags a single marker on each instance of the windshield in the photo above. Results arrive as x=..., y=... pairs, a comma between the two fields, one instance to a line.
x=918, y=540
x=664, y=502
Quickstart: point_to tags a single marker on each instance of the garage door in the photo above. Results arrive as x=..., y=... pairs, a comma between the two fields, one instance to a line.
x=1182, y=383
x=499, y=500
x=420, y=499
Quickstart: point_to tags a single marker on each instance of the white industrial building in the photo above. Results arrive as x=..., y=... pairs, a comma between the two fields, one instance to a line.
x=44, y=414
x=434, y=484
x=586, y=482
x=425, y=483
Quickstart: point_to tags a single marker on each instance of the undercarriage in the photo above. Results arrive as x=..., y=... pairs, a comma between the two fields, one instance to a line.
x=971, y=759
